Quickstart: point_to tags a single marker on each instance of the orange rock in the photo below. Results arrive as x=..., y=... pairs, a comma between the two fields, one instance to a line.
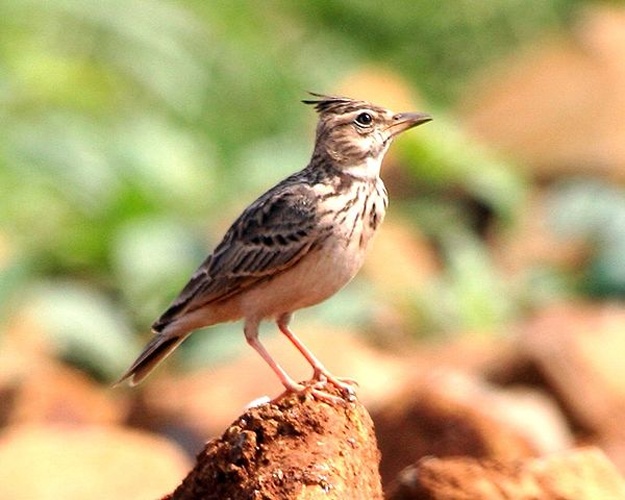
x=578, y=348
x=74, y=463
x=383, y=86
x=559, y=108
x=584, y=474
x=37, y=387
x=451, y=414
x=293, y=448
x=52, y=392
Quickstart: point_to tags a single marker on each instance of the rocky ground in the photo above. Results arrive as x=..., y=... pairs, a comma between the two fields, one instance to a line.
x=532, y=411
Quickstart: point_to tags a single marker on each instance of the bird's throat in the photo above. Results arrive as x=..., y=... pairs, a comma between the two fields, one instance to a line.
x=368, y=168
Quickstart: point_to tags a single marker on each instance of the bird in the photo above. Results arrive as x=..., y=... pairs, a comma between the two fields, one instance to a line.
x=295, y=246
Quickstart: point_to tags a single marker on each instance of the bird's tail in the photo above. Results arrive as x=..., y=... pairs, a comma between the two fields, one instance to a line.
x=161, y=346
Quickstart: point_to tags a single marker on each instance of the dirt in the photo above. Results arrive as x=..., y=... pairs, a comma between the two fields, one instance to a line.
x=295, y=447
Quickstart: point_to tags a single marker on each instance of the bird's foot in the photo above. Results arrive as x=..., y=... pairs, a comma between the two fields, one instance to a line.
x=322, y=395
x=347, y=386
x=316, y=388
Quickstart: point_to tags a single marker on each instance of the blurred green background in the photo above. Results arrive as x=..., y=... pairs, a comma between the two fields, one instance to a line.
x=132, y=132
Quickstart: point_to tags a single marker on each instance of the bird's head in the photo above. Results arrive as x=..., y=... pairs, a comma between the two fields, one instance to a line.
x=354, y=135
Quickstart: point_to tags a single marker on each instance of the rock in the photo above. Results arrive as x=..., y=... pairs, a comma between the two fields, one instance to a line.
x=53, y=392
x=36, y=387
x=558, y=109
x=578, y=349
x=48, y=462
x=295, y=447
x=452, y=414
x=584, y=474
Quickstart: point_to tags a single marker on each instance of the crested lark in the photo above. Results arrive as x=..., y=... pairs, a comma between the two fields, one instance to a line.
x=296, y=245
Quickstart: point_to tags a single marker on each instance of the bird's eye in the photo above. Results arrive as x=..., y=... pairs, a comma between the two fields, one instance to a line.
x=364, y=119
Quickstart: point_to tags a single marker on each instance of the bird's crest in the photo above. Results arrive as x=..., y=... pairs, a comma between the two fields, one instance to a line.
x=334, y=104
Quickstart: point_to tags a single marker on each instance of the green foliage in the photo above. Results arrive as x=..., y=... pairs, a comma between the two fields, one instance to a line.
x=593, y=212
x=130, y=128
x=85, y=326
x=437, y=44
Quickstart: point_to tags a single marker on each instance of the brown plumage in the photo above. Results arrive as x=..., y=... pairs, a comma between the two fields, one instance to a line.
x=296, y=245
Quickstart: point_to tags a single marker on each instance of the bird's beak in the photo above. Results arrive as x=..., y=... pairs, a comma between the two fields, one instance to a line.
x=404, y=121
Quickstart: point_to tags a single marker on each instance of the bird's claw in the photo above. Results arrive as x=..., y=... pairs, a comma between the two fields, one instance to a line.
x=317, y=392
x=345, y=385
x=318, y=384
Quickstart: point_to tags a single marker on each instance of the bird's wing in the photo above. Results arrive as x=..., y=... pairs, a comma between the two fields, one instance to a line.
x=270, y=236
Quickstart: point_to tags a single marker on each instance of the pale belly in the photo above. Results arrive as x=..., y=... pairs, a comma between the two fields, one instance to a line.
x=315, y=278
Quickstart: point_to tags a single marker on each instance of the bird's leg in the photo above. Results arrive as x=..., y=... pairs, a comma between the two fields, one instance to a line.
x=251, y=335
x=321, y=373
